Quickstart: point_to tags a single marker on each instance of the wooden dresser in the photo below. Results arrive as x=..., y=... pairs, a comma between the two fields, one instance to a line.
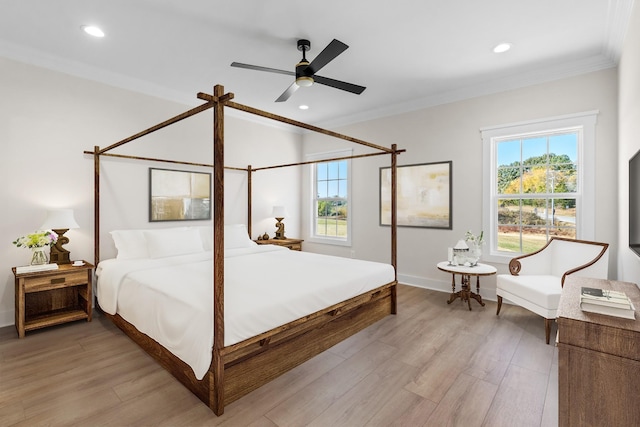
x=598, y=360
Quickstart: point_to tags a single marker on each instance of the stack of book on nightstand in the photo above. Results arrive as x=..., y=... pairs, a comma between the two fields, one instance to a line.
x=36, y=268
x=604, y=301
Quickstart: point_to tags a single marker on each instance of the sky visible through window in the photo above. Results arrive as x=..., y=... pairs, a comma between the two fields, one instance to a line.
x=509, y=151
x=332, y=179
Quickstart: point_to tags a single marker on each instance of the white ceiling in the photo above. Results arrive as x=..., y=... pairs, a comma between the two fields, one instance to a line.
x=408, y=53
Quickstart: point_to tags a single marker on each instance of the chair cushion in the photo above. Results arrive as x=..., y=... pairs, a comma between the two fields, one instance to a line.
x=542, y=290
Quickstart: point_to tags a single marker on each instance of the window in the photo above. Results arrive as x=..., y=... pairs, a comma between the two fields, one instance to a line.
x=331, y=199
x=540, y=183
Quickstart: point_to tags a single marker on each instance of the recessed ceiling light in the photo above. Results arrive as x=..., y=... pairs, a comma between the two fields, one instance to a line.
x=304, y=107
x=502, y=47
x=93, y=30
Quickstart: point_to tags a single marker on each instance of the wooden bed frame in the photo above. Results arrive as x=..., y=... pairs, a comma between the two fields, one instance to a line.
x=238, y=369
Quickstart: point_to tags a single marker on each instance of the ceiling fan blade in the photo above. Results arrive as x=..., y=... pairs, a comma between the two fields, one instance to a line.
x=349, y=87
x=259, y=68
x=333, y=49
x=287, y=93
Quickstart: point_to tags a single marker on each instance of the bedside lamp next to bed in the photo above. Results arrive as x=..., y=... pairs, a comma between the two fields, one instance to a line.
x=279, y=213
x=60, y=221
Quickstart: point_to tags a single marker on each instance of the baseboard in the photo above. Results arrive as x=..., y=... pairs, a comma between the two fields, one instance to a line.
x=487, y=288
x=7, y=318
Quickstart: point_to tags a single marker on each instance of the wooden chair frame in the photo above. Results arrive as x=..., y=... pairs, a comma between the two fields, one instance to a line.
x=240, y=368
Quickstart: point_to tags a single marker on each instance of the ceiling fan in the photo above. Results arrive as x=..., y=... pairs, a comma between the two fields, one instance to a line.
x=305, y=73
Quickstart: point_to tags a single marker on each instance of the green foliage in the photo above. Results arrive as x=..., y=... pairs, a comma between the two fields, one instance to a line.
x=332, y=208
x=561, y=164
x=540, y=174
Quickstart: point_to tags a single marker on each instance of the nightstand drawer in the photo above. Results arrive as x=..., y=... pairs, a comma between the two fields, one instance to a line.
x=54, y=281
x=295, y=247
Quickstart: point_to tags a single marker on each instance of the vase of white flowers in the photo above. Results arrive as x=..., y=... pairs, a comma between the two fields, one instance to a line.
x=37, y=242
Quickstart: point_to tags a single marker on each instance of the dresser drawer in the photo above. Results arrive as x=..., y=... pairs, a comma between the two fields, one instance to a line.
x=54, y=281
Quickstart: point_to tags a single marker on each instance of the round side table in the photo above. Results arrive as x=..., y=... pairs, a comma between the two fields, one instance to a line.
x=465, y=293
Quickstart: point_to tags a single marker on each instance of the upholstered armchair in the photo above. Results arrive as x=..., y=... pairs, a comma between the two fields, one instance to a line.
x=536, y=279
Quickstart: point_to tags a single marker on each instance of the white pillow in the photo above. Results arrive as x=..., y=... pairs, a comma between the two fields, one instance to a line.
x=206, y=235
x=237, y=236
x=173, y=242
x=131, y=244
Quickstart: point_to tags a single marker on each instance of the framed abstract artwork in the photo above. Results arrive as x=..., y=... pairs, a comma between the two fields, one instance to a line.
x=176, y=195
x=423, y=195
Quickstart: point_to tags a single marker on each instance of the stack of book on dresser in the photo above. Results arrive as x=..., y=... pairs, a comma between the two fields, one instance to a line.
x=604, y=301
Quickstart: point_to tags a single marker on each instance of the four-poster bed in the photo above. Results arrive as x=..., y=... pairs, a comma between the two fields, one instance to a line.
x=238, y=368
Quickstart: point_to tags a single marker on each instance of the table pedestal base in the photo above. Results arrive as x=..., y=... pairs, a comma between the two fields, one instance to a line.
x=465, y=294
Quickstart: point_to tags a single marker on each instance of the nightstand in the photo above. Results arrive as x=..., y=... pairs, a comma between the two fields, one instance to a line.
x=47, y=298
x=293, y=244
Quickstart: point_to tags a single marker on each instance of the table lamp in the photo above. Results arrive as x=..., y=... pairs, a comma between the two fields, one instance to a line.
x=60, y=221
x=279, y=213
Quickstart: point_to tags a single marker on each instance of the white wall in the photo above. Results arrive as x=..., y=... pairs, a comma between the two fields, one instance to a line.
x=451, y=132
x=629, y=122
x=47, y=120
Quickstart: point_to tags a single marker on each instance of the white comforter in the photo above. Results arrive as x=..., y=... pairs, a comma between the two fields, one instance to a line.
x=171, y=299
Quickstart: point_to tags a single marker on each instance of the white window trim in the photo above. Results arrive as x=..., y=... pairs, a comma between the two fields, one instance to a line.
x=313, y=238
x=585, y=226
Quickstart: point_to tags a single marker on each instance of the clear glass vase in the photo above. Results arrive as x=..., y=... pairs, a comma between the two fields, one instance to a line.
x=39, y=256
x=475, y=253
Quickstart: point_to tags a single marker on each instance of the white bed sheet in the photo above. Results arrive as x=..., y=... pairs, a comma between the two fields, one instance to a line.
x=170, y=299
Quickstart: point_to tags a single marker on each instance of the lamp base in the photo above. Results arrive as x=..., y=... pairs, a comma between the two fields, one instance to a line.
x=58, y=254
x=279, y=229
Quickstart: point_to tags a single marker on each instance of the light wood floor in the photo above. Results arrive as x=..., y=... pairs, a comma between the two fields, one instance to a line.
x=433, y=364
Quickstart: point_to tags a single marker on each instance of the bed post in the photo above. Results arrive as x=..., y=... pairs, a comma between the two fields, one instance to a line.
x=394, y=224
x=249, y=176
x=216, y=390
x=96, y=205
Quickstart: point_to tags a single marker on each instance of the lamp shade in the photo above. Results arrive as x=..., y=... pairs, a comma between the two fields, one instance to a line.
x=58, y=219
x=279, y=212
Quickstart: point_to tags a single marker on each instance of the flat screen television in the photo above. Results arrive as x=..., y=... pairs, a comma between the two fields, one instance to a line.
x=634, y=203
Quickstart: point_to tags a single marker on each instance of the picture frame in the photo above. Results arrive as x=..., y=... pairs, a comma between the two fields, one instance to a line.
x=424, y=195
x=176, y=195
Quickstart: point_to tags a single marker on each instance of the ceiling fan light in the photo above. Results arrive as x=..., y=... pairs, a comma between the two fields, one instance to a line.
x=502, y=47
x=304, y=81
x=92, y=30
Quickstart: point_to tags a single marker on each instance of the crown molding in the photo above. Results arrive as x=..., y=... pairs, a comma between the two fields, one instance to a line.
x=618, y=17
x=515, y=79
x=77, y=69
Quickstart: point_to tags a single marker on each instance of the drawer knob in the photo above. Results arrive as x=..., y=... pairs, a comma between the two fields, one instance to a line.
x=57, y=280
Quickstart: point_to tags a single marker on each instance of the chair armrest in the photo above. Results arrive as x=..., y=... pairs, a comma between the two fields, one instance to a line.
x=534, y=260
x=597, y=268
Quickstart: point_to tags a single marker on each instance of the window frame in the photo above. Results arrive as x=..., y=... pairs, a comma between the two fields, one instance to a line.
x=318, y=158
x=585, y=196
